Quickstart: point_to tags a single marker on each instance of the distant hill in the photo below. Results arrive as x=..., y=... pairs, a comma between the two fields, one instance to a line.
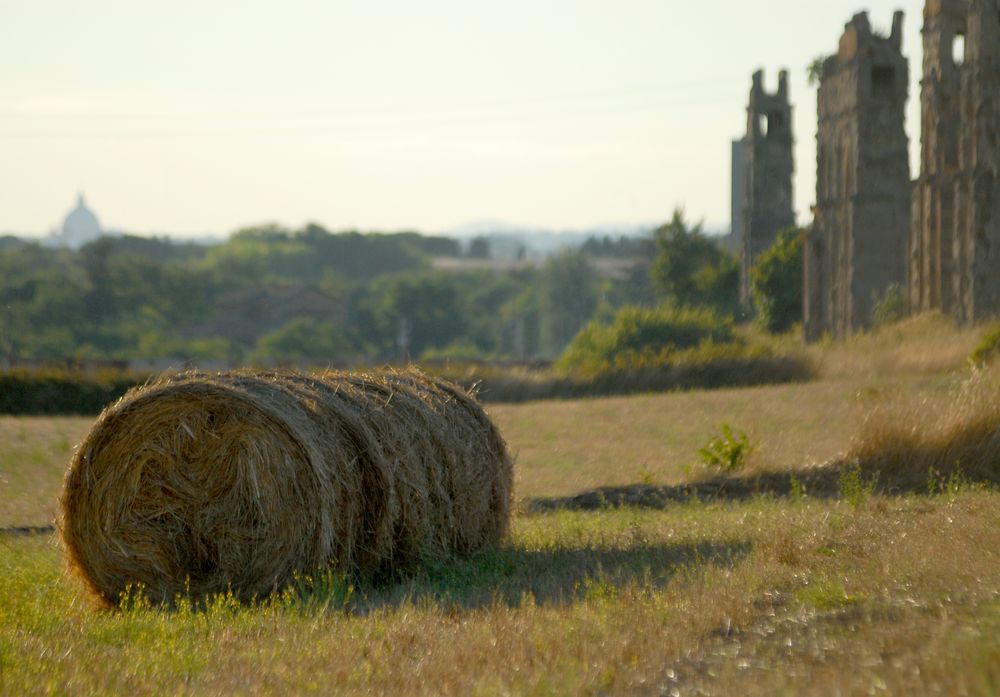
x=511, y=241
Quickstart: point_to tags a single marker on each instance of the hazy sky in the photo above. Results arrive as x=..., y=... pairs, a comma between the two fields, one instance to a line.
x=191, y=117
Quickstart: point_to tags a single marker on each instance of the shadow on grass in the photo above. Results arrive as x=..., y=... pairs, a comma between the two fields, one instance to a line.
x=560, y=576
x=707, y=372
x=27, y=530
x=831, y=481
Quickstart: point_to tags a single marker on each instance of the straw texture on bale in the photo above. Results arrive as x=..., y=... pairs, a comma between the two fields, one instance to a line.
x=201, y=483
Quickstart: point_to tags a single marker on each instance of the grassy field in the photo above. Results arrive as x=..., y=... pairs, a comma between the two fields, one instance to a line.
x=864, y=588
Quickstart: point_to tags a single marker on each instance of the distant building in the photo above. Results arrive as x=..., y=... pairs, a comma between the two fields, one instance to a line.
x=768, y=165
x=79, y=227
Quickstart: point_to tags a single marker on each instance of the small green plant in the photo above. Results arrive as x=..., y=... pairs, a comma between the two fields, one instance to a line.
x=855, y=487
x=988, y=346
x=728, y=451
x=890, y=307
x=326, y=590
x=796, y=489
x=940, y=485
x=826, y=594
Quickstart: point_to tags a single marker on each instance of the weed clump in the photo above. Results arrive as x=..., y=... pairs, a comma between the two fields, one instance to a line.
x=855, y=486
x=728, y=451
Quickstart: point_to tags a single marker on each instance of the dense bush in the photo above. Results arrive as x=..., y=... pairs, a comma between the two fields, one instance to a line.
x=52, y=391
x=637, y=338
x=706, y=367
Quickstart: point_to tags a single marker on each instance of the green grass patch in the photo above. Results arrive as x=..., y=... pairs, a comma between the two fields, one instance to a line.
x=826, y=594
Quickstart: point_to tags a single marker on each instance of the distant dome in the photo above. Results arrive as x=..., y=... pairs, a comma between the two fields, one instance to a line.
x=80, y=226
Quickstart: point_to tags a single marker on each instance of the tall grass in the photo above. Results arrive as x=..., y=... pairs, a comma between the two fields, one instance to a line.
x=921, y=345
x=956, y=435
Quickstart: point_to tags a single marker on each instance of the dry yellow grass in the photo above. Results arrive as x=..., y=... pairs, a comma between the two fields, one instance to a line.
x=763, y=596
x=565, y=447
x=34, y=453
x=898, y=596
x=955, y=435
x=921, y=345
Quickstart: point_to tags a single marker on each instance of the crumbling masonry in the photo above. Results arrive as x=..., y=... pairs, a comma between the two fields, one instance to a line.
x=769, y=165
x=857, y=246
x=954, y=248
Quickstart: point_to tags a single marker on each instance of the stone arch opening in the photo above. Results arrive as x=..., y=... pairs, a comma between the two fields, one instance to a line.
x=958, y=49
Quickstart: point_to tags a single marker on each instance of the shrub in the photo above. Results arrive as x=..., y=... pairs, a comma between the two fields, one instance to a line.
x=638, y=337
x=59, y=391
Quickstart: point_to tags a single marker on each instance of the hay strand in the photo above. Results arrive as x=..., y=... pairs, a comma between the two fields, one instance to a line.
x=201, y=483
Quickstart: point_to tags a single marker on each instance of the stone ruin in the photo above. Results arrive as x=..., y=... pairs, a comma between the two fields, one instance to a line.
x=856, y=249
x=767, y=179
x=954, y=248
x=938, y=236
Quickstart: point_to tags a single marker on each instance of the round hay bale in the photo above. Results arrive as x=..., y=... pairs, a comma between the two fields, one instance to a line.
x=201, y=483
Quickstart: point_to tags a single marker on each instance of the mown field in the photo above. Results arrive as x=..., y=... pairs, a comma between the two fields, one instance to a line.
x=851, y=581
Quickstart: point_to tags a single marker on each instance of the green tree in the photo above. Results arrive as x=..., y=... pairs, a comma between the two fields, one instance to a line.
x=304, y=340
x=568, y=299
x=691, y=269
x=520, y=319
x=414, y=313
x=99, y=299
x=479, y=248
x=776, y=281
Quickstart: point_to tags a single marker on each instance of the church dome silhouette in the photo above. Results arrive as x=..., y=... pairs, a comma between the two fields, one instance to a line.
x=81, y=225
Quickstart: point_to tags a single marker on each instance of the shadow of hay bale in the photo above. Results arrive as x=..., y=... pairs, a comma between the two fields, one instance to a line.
x=198, y=484
x=550, y=577
x=823, y=482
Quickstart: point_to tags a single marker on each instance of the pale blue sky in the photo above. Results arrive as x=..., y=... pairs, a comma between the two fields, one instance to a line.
x=191, y=117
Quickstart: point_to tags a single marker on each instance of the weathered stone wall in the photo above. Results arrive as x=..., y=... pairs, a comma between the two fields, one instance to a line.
x=954, y=254
x=976, y=281
x=932, y=240
x=857, y=246
x=769, y=166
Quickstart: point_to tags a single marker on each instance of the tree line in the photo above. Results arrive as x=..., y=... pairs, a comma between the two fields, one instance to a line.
x=272, y=295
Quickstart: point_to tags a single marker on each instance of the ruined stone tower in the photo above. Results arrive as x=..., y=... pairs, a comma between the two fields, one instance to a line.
x=768, y=163
x=954, y=251
x=931, y=248
x=857, y=246
x=977, y=197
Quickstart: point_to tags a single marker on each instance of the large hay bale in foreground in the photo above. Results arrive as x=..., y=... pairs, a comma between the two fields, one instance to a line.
x=202, y=483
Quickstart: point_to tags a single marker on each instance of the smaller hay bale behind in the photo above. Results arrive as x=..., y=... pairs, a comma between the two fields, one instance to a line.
x=199, y=484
